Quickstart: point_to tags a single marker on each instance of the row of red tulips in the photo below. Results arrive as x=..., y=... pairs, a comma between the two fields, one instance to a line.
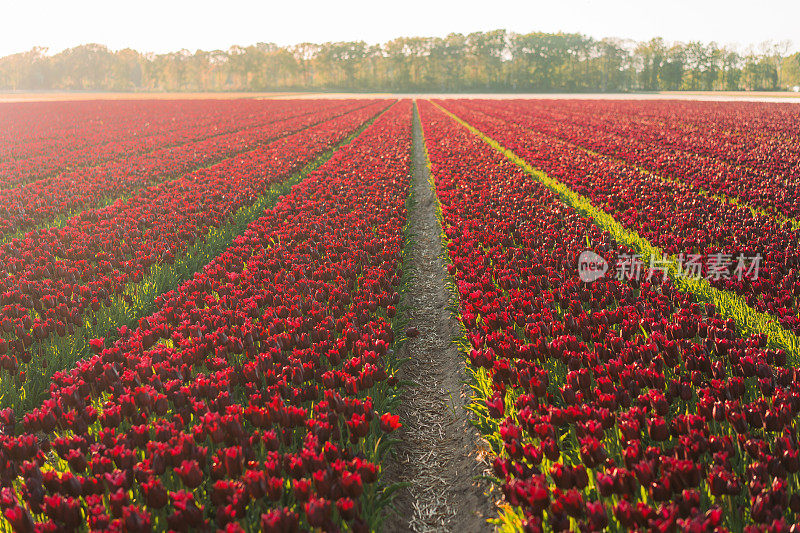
x=704, y=160
x=44, y=201
x=129, y=128
x=256, y=396
x=618, y=404
x=689, y=223
x=27, y=126
x=758, y=136
x=30, y=129
x=108, y=265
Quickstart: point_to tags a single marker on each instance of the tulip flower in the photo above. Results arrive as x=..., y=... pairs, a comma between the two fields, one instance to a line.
x=390, y=422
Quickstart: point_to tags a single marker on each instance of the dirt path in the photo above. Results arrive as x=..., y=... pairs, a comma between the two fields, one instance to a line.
x=440, y=451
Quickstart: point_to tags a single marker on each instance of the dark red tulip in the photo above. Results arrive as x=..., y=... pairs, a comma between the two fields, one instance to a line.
x=155, y=494
x=19, y=519
x=190, y=473
x=318, y=512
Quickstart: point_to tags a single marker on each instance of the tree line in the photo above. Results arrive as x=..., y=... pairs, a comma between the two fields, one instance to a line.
x=494, y=61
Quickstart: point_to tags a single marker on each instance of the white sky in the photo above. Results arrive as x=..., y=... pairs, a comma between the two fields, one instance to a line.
x=169, y=25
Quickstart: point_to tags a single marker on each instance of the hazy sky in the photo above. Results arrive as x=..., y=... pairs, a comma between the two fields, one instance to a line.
x=169, y=25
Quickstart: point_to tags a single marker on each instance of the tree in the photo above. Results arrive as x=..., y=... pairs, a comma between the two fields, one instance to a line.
x=790, y=71
x=484, y=56
x=480, y=61
x=613, y=60
x=446, y=60
x=649, y=59
x=671, y=76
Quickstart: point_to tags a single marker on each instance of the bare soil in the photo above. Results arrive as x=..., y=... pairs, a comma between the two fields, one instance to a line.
x=441, y=454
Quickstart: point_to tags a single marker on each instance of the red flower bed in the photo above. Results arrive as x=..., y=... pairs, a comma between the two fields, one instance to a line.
x=255, y=396
x=39, y=140
x=762, y=171
x=41, y=202
x=688, y=223
x=610, y=403
x=60, y=273
x=759, y=135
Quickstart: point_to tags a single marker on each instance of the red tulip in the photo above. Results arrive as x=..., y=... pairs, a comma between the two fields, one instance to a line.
x=190, y=473
x=318, y=512
x=390, y=422
x=20, y=519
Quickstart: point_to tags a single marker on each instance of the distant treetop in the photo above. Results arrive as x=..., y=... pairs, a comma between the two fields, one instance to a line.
x=495, y=61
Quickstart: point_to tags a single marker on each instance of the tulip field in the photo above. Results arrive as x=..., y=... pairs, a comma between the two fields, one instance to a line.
x=204, y=320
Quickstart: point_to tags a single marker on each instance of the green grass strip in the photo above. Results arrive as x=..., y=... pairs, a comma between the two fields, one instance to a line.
x=729, y=304
x=57, y=353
